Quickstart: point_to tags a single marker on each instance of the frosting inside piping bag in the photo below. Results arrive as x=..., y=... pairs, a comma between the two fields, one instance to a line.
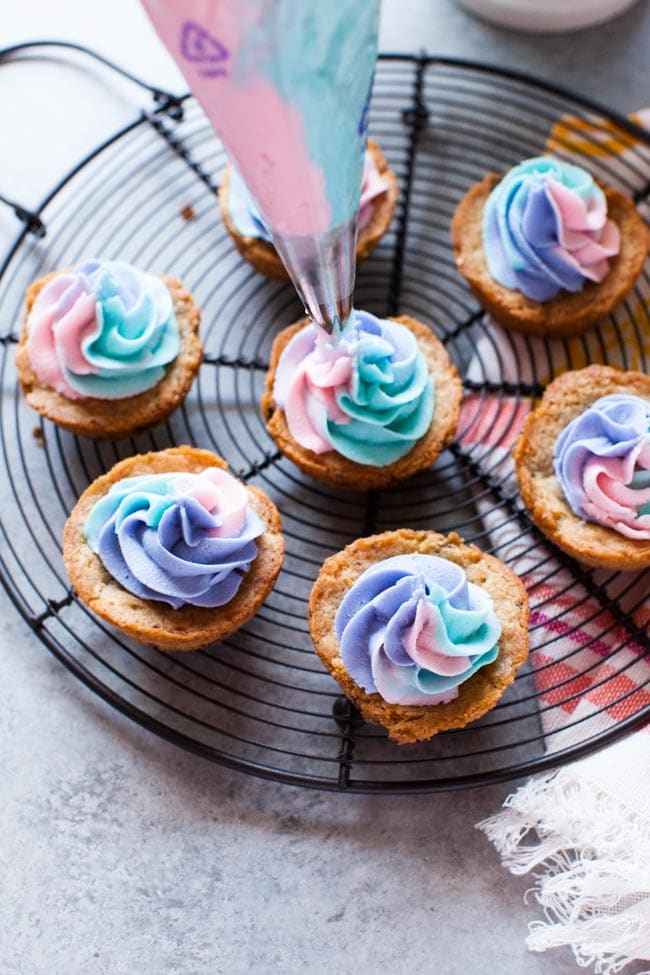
x=286, y=86
x=249, y=223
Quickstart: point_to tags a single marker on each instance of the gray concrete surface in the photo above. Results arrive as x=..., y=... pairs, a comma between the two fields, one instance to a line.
x=120, y=853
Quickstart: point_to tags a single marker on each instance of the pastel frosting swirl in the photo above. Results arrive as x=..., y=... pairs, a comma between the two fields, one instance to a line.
x=105, y=330
x=602, y=462
x=182, y=539
x=248, y=221
x=412, y=629
x=369, y=396
x=545, y=229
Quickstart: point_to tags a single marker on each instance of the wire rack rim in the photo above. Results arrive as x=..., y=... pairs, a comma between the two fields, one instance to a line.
x=351, y=785
x=346, y=781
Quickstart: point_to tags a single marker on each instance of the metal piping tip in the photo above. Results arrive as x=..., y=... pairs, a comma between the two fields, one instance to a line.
x=332, y=320
x=322, y=270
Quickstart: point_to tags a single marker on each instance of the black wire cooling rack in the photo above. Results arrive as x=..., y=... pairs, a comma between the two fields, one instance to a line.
x=261, y=702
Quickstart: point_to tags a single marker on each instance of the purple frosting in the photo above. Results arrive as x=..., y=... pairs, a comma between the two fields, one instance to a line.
x=412, y=628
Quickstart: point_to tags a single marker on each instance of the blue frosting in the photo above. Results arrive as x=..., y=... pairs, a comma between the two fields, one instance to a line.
x=390, y=401
x=377, y=613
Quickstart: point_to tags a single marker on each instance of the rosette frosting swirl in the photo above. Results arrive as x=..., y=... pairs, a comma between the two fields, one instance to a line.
x=105, y=329
x=249, y=222
x=369, y=397
x=182, y=539
x=412, y=628
x=545, y=228
x=602, y=461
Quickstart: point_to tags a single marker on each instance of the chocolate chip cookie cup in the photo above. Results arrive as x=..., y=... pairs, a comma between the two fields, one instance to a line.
x=422, y=632
x=108, y=349
x=583, y=465
x=172, y=549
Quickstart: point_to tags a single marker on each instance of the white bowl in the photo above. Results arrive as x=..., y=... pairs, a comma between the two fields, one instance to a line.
x=546, y=15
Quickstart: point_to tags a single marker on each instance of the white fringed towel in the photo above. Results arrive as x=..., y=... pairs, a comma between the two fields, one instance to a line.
x=584, y=834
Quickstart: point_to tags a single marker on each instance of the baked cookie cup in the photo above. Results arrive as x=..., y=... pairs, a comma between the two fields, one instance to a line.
x=566, y=399
x=480, y=691
x=150, y=620
x=263, y=255
x=110, y=419
x=568, y=313
x=336, y=470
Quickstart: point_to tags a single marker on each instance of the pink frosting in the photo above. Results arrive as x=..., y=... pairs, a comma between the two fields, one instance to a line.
x=268, y=128
x=609, y=500
x=311, y=371
x=421, y=639
x=372, y=186
x=587, y=238
x=63, y=317
x=217, y=490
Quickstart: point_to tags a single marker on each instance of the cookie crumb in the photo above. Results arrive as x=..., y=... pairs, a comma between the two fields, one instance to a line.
x=188, y=212
x=37, y=434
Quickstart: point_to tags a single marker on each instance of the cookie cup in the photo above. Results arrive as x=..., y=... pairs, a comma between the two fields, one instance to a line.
x=564, y=399
x=104, y=419
x=568, y=313
x=338, y=471
x=150, y=621
x=410, y=723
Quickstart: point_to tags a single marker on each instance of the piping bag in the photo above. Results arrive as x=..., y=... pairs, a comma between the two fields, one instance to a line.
x=286, y=85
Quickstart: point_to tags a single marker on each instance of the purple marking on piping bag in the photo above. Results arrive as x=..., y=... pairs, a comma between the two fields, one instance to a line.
x=363, y=121
x=199, y=46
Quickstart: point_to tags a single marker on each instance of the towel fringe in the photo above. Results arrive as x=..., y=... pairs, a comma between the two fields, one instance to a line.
x=593, y=858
